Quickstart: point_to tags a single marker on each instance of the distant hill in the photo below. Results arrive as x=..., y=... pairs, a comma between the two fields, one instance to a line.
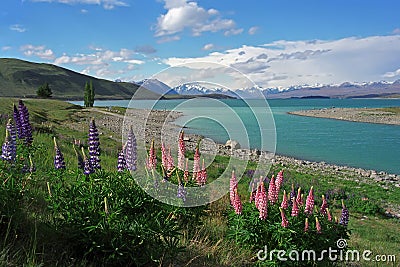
x=19, y=78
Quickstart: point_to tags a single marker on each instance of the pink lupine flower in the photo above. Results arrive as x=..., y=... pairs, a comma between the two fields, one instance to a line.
x=295, y=209
x=186, y=173
x=237, y=204
x=306, y=226
x=262, y=202
x=317, y=225
x=279, y=181
x=152, y=159
x=298, y=198
x=196, y=163
x=324, y=205
x=164, y=156
x=202, y=175
x=285, y=222
x=232, y=187
x=170, y=160
x=285, y=203
x=310, y=201
x=181, y=152
x=328, y=213
x=258, y=196
x=272, y=194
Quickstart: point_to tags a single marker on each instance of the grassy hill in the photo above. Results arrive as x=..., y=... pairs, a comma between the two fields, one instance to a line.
x=19, y=78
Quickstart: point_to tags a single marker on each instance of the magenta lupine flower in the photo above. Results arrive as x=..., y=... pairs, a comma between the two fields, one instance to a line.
x=299, y=199
x=121, y=166
x=310, y=201
x=186, y=172
x=324, y=205
x=164, y=157
x=295, y=209
x=285, y=203
x=237, y=203
x=278, y=181
x=202, y=175
x=196, y=163
x=181, y=152
x=94, y=145
x=328, y=213
x=17, y=120
x=152, y=159
x=306, y=225
x=285, y=222
x=7, y=149
x=170, y=160
x=262, y=202
x=317, y=225
x=26, y=127
x=272, y=194
x=232, y=187
x=87, y=165
x=130, y=151
x=344, y=218
x=59, y=163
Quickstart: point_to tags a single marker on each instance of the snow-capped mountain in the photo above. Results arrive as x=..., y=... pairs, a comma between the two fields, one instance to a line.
x=157, y=87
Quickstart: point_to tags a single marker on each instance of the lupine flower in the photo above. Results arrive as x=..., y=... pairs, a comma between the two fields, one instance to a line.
x=344, y=218
x=232, y=187
x=152, y=159
x=328, y=214
x=317, y=225
x=299, y=199
x=181, y=151
x=94, y=145
x=121, y=166
x=87, y=165
x=170, y=160
x=237, y=203
x=186, y=172
x=17, y=120
x=202, y=175
x=262, y=201
x=292, y=197
x=79, y=158
x=272, y=194
x=196, y=162
x=59, y=163
x=26, y=127
x=285, y=222
x=130, y=151
x=7, y=149
x=284, y=204
x=310, y=201
x=164, y=159
x=279, y=181
x=13, y=139
x=306, y=226
x=324, y=206
x=295, y=209
x=181, y=192
x=252, y=194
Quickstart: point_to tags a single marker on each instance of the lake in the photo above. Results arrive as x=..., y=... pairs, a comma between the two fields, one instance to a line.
x=364, y=145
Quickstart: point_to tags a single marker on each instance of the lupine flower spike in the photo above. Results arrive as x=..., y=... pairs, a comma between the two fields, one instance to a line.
x=196, y=163
x=170, y=160
x=87, y=166
x=310, y=201
x=17, y=120
x=26, y=128
x=181, y=151
x=252, y=193
x=94, y=145
x=164, y=157
x=121, y=166
x=186, y=172
x=181, y=189
x=262, y=201
x=237, y=203
x=79, y=158
x=202, y=175
x=324, y=206
x=285, y=222
x=306, y=226
x=13, y=135
x=7, y=149
x=298, y=198
x=328, y=213
x=344, y=218
x=152, y=159
x=285, y=203
x=292, y=197
x=130, y=151
x=279, y=181
x=272, y=194
x=59, y=163
x=295, y=209
x=257, y=196
x=317, y=225
x=232, y=187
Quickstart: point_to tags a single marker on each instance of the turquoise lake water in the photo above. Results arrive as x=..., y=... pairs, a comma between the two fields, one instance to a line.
x=364, y=145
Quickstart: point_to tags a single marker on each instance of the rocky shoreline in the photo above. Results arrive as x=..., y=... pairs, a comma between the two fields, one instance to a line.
x=369, y=115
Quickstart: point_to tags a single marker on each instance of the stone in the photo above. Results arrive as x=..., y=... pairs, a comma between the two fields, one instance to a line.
x=232, y=144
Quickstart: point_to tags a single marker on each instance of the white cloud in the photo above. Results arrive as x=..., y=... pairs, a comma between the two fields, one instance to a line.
x=208, y=46
x=6, y=48
x=107, y=4
x=17, y=28
x=38, y=51
x=233, y=32
x=167, y=39
x=396, y=31
x=183, y=15
x=286, y=63
x=253, y=30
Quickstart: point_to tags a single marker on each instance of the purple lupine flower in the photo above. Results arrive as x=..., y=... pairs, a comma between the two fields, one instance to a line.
x=17, y=120
x=121, y=161
x=79, y=158
x=59, y=162
x=94, y=145
x=7, y=149
x=181, y=192
x=13, y=139
x=344, y=218
x=130, y=151
x=87, y=165
x=26, y=128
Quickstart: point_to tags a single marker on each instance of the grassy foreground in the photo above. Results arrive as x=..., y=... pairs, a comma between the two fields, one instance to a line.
x=204, y=244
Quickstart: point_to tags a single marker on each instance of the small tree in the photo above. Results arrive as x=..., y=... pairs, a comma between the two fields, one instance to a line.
x=44, y=91
x=88, y=98
x=91, y=94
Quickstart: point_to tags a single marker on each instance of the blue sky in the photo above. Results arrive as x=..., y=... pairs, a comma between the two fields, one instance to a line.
x=273, y=43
